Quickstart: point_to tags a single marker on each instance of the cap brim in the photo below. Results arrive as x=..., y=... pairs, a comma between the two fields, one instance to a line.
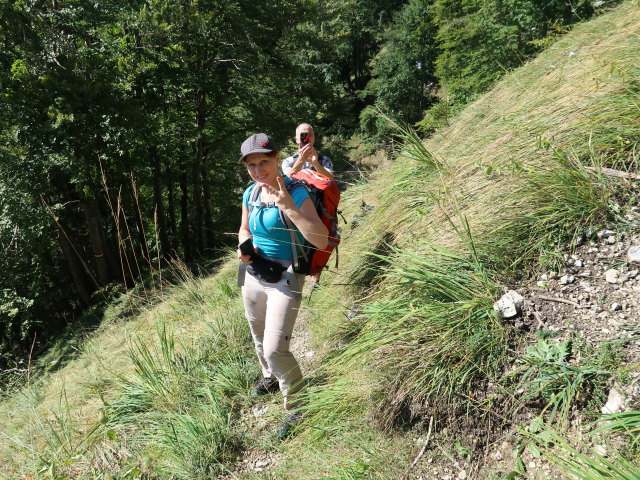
x=257, y=150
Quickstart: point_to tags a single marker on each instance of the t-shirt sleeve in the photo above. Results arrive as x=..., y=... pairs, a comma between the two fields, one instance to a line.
x=287, y=163
x=299, y=195
x=326, y=163
x=247, y=194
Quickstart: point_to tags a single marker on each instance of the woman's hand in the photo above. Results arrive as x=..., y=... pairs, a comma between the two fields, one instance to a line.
x=245, y=258
x=281, y=196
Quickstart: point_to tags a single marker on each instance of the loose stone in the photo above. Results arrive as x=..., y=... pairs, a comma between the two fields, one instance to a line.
x=612, y=275
x=566, y=279
x=633, y=255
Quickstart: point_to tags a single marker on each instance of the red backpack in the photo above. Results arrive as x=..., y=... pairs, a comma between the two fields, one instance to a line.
x=325, y=195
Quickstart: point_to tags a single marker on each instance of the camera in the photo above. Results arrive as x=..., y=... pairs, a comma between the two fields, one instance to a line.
x=304, y=138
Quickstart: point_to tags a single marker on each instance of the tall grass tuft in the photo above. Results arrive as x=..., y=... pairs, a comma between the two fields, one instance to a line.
x=180, y=403
x=555, y=203
x=433, y=338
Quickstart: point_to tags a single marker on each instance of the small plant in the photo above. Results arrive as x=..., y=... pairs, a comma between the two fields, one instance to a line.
x=550, y=375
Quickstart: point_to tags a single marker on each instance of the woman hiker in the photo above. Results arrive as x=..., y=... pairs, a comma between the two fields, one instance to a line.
x=271, y=290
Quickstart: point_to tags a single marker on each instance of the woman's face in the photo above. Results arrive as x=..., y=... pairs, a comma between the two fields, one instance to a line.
x=262, y=168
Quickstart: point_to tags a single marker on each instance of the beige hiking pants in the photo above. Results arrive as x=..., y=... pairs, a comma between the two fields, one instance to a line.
x=271, y=309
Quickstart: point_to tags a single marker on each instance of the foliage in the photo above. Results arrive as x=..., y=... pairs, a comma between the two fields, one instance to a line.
x=480, y=40
x=549, y=373
x=403, y=78
x=122, y=122
x=437, y=116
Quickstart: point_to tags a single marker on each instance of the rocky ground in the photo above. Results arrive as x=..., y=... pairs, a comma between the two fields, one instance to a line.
x=594, y=298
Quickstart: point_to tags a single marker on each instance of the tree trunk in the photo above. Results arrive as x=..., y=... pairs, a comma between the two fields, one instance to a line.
x=184, y=218
x=76, y=268
x=197, y=173
x=208, y=211
x=97, y=238
x=173, y=225
x=161, y=225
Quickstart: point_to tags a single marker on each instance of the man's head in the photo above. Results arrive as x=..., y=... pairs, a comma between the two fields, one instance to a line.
x=301, y=129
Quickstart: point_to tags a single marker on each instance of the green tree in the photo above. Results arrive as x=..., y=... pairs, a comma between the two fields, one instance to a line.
x=404, y=70
x=481, y=39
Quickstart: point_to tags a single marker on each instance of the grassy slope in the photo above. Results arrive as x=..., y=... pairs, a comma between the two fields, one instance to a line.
x=560, y=98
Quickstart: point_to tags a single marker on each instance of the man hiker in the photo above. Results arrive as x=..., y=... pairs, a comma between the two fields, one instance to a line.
x=307, y=156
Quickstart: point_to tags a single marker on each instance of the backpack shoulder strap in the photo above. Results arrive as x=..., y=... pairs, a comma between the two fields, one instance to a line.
x=293, y=184
x=253, y=198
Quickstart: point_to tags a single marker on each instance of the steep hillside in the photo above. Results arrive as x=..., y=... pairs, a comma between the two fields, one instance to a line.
x=411, y=372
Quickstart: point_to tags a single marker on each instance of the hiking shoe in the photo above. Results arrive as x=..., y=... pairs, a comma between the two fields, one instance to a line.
x=266, y=385
x=288, y=425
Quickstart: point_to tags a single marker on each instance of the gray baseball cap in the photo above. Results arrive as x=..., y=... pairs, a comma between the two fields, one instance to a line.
x=258, y=143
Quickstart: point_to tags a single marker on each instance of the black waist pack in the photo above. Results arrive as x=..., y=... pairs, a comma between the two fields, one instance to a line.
x=266, y=270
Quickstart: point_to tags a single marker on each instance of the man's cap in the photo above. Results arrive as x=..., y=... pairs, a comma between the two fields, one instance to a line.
x=258, y=143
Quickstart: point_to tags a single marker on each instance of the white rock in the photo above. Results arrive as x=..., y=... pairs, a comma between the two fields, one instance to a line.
x=601, y=450
x=605, y=233
x=632, y=274
x=633, y=255
x=615, y=306
x=552, y=274
x=612, y=275
x=615, y=402
x=262, y=463
x=611, y=240
x=566, y=279
x=578, y=263
x=541, y=283
x=462, y=474
x=509, y=305
x=532, y=465
x=544, y=277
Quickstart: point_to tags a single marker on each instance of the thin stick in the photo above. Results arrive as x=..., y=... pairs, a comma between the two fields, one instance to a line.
x=562, y=300
x=424, y=448
x=611, y=172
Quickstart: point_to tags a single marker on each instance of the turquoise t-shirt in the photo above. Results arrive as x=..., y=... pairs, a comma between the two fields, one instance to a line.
x=270, y=235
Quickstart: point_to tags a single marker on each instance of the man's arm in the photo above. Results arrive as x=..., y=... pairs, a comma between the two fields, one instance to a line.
x=291, y=167
x=321, y=169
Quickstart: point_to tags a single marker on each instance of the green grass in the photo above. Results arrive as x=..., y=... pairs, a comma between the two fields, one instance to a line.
x=161, y=388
